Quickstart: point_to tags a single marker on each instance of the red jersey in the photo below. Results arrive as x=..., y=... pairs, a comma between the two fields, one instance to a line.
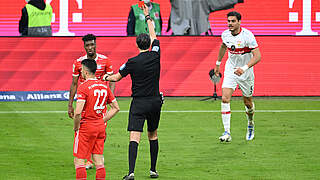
x=104, y=66
x=96, y=95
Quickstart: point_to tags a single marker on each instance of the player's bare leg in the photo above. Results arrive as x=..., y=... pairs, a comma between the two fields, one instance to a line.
x=133, y=151
x=80, y=167
x=249, y=105
x=154, y=149
x=99, y=163
x=226, y=113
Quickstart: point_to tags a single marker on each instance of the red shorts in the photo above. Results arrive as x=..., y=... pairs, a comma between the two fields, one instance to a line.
x=88, y=140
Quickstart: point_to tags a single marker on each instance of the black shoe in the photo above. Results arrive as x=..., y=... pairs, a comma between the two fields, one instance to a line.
x=129, y=177
x=154, y=174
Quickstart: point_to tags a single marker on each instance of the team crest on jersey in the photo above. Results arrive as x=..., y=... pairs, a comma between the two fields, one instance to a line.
x=238, y=43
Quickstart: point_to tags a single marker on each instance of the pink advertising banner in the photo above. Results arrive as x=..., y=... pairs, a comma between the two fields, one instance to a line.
x=109, y=18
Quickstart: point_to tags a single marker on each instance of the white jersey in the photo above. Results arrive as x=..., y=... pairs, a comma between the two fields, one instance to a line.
x=239, y=51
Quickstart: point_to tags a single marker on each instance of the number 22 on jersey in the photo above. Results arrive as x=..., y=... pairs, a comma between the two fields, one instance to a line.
x=101, y=99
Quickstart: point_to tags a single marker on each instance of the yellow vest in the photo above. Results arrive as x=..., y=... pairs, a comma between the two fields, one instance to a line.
x=39, y=21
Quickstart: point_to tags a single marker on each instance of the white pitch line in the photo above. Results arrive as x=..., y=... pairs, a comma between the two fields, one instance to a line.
x=182, y=111
x=237, y=111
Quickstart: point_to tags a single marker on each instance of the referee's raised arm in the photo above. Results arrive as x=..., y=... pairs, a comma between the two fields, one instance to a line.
x=152, y=32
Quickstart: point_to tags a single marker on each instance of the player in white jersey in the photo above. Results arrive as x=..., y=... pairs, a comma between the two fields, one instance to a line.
x=243, y=54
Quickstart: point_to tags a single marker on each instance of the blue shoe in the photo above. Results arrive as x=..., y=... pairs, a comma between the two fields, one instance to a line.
x=250, y=133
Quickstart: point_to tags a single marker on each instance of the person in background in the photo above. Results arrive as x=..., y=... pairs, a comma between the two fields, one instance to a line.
x=136, y=20
x=191, y=17
x=36, y=19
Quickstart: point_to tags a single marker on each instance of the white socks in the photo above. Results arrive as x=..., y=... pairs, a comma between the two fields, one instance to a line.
x=250, y=113
x=226, y=115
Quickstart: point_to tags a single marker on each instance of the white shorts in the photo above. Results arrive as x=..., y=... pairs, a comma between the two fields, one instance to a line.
x=246, y=86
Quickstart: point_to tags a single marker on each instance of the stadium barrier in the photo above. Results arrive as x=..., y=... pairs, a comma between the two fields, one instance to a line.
x=34, y=96
x=289, y=65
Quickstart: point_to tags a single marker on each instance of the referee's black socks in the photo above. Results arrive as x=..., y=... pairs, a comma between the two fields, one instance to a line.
x=154, y=148
x=133, y=150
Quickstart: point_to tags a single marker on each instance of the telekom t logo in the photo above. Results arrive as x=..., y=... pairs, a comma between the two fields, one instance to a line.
x=64, y=23
x=306, y=17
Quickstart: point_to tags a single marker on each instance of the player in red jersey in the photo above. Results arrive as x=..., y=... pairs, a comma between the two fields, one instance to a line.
x=90, y=119
x=104, y=66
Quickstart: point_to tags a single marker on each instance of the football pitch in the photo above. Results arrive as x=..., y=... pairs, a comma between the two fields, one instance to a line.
x=37, y=141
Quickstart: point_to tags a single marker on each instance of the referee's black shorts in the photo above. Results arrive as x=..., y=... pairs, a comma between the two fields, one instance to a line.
x=144, y=108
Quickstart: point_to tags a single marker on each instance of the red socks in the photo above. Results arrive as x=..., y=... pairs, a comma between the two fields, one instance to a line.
x=100, y=172
x=81, y=173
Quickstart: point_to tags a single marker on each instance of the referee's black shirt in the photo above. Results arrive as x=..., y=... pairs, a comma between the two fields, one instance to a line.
x=144, y=70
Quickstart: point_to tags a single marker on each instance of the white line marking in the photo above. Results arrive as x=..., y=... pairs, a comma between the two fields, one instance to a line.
x=182, y=111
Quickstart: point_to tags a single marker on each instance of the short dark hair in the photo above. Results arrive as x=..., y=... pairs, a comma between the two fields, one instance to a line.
x=89, y=37
x=234, y=13
x=90, y=64
x=143, y=41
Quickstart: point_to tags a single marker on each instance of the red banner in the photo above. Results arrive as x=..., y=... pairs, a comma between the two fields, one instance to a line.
x=289, y=65
x=109, y=18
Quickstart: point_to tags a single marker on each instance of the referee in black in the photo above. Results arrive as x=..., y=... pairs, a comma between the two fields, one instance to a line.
x=146, y=103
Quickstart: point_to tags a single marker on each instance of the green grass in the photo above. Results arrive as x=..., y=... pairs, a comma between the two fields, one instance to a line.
x=286, y=146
